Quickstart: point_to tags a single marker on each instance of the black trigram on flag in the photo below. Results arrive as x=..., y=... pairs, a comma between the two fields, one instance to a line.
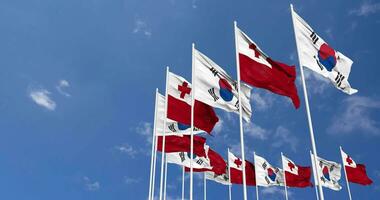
x=211, y=91
x=339, y=79
x=172, y=128
x=214, y=71
x=182, y=156
x=199, y=162
x=314, y=37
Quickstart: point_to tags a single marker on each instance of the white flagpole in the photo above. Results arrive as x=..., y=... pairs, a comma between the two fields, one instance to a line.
x=183, y=183
x=229, y=174
x=154, y=166
x=240, y=115
x=192, y=121
x=314, y=176
x=314, y=148
x=345, y=174
x=166, y=177
x=204, y=187
x=163, y=137
x=152, y=159
x=283, y=167
x=257, y=187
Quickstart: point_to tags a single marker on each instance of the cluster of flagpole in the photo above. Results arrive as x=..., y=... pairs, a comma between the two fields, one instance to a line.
x=164, y=163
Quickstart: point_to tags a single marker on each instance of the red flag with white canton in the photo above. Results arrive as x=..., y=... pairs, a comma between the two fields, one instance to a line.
x=179, y=105
x=182, y=144
x=236, y=170
x=315, y=54
x=258, y=70
x=356, y=173
x=172, y=127
x=295, y=175
x=217, y=89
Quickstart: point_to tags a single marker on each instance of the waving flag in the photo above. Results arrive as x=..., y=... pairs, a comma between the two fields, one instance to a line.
x=182, y=144
x=315, y=54
x=216, y=162
x=236, y=170
x=221, y=178
x=329, y=173
x=266, y=174
x=295, y=175
x=179, y=105
x=217, y=89
x=356, y=173
x=259, y=70
x=172, y=127
x=183, y=159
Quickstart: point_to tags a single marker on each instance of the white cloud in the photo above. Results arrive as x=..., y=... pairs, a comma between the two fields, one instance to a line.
x=129, y=180
x=274, y=191
x=127, y=149
x=142, y=28
x=145, y=129
x=356, y=116
x=262, y=100
x=256, y=131
x=329, y=33
x=366, y=8
x=194, y=4
x=62, y=84
x=41, y=97
x=91, y=185
x=283, y=137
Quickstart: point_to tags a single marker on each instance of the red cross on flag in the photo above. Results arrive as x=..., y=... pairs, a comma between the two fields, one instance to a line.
x=260, y=71
x=356, y=173
x=179, y=105
x=236, y=175
x=295, y=175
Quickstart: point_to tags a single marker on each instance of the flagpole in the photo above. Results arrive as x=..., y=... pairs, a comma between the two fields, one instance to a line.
x=154, y=166
x=166, y=177
x=314, y=176
x=204, y=186
x=314, y=148
x=183, y=182
x=257, y=187
x=240, y=115
x=283, y=167
x=163, y=137
x=345, y=174
x=151, y=185
x=192, y=121
x=229, y=174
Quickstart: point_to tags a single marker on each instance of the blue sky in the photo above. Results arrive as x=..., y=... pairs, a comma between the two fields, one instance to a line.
x=78, y=78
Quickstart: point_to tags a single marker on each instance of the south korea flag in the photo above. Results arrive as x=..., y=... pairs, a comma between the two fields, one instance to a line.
x=315, y=54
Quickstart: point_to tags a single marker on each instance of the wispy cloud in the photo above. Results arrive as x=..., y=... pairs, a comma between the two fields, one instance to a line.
x=283, y=137
x=194, y=4
x=355, y=115
x=316, y=83
x=62, y=85
x=130, y=180
x=218, y=127
x=91, y=185
x=274, y=191
x=262, y=100
x=127, y=149
x=145, y=129
x=256, y=131
x=366, y=8
x=41, y=97
x=141, y=27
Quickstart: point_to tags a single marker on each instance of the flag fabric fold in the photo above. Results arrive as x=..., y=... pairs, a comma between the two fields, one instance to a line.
x=236, y=170
x=215, y=161
x=356, y=173
x=179, y=105
x=217, y=89
x=260, y=71
x=315, y=54
x=182, y=144
x=329, y=173
x=266, y=174
x=295, y=175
